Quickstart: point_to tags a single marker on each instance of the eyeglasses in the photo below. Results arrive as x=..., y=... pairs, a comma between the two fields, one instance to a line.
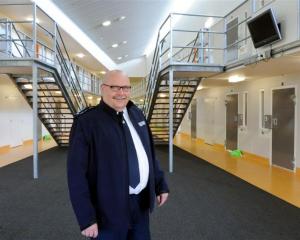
x=118, y=88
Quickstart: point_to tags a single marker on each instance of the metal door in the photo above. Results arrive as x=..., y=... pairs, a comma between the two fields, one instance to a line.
x=283, y=127
x=194, y=118
x=231, y=40
x=209, y=120
x=231, y=121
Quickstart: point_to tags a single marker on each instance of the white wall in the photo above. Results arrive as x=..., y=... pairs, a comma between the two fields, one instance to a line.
x=250, y=139
x=286, y=13
x=135, y=67
x=15, y=115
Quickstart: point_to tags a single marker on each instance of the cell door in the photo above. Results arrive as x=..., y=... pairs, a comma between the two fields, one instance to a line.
x=283, y=127
x=194, y=118
x=231, y=39
x=209, y=120
x=231, y=121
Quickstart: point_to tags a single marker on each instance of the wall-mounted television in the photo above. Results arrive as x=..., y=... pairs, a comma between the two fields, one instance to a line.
x=264, y=29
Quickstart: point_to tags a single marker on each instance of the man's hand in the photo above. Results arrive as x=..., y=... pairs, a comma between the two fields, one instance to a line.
x=162, y=198
x=91, y=231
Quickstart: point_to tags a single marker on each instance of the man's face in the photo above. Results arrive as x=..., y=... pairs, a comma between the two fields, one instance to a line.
x=114, y=96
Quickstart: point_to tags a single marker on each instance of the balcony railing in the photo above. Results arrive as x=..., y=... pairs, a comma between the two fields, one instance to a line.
x=17, y=41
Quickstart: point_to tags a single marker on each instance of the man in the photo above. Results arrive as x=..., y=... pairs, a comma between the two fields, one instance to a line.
x=113, y=175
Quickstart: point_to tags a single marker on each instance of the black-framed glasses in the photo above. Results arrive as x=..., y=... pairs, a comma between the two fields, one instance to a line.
x=118, y=88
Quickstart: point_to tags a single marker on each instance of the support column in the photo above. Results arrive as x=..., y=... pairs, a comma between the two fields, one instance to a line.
x=34, y=96
x=35, y=119
x=171, y=120
x=54, y=43
x=34, y=35
x=171, y=98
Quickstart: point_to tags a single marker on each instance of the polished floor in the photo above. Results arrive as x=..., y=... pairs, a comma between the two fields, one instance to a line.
x=279, y=182
x=205, y=203
x=11, y=155
x=254, y=170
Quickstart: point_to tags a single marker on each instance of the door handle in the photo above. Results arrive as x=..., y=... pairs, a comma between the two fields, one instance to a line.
x=275, y=122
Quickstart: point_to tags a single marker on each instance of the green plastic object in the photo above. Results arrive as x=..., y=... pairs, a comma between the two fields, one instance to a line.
x=47, y=138
x=236, y=153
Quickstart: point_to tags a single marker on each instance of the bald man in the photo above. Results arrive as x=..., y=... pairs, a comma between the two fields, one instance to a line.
x=113, y=174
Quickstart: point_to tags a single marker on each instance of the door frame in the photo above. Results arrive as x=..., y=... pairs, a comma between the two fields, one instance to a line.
x=194, y=101
x=214, y=100
x=295, y=128
x=231, y=93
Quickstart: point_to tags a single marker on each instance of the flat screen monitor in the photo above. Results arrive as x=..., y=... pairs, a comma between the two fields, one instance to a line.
x=264, y=29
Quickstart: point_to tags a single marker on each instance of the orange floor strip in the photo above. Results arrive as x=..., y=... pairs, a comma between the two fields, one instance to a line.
x=18, y=153
x=279, y=182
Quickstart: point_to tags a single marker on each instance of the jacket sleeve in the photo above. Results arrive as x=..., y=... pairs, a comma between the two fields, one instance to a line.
x=77, y=166
x=161, y=185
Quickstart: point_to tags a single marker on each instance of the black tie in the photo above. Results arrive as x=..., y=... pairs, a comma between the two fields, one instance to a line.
x=134, y=173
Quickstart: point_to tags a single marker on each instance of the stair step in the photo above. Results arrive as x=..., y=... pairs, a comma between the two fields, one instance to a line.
x=187, y=98
x=42, y=102
x=45, y=108
x=20, y=82
x=41, y=90
x=55, y=118
x=178, y=85
x=167, y=108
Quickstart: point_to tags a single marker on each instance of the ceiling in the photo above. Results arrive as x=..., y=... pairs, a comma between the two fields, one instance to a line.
x=280, y=66
x=142, y=19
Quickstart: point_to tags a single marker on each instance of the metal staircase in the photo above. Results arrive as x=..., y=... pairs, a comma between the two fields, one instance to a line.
x=158, y=118
x=179, y=64
x=60, y=96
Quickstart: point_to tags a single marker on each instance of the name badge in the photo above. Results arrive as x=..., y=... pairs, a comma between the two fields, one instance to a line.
x=142, y=123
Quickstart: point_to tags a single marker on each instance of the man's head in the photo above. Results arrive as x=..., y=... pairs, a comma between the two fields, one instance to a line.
x=115, y=89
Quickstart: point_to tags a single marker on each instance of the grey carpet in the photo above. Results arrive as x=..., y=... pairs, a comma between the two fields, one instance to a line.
x=205, y=203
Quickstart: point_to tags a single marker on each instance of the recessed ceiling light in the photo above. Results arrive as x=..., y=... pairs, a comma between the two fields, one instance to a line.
x=124, y=42
x=199, y=87
x=103, y=72
x=48, y=79
x=58, y=92
x=236, y=78
x=119, y=58
x=162, y=95
x=119, y=19
x=80, y=55
x=28, y=86
x=31, y=19
x=106, y=23
x=209, y=22
x=90, y=97
x=126, y=56
x=115, y=45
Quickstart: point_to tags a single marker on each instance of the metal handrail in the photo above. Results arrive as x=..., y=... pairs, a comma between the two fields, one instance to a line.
x=78, y=89
x=67, y=73
x=14, y=27
x=157, y=63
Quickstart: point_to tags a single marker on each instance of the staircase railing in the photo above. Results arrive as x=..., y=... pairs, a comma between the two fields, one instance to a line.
x=60, y=60
x=68, y=74
x=178, y=44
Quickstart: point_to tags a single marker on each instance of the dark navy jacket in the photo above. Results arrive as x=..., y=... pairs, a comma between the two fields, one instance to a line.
x=98, y=170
